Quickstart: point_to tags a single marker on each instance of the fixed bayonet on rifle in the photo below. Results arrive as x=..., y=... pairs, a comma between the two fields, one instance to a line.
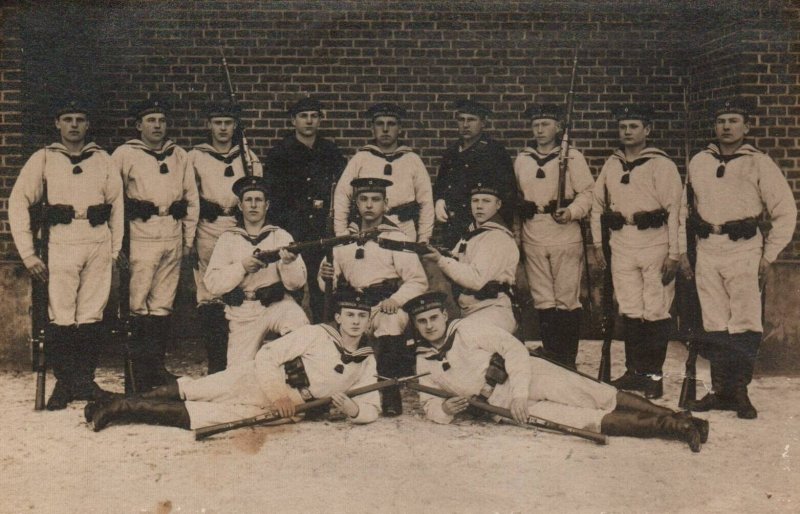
x=270, y=256
x=270, y=417
x=40, y=297
x=534, y=421
x=563, y=155
x=609, y=314
x=239, y=136
x=689, y=304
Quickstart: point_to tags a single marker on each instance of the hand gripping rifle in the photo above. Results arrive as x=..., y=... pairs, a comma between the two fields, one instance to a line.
x=270, y=417
x=609, y=315
x=689, y=304
x=533, y=421
x=270, y=256
x=239, y=137
x=40, y=316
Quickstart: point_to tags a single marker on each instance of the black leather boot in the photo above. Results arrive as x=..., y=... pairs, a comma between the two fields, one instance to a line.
x=90, y=339
x=642, y=424
x=635, y=403
x=60, y=353
x=169, y=391
x=655, y=338
x=567, y=333
x=388, y=351
x=140, y=410
x=721, y=395
x=160, y=332
x=140, y=357
x=547, y=331
x=632, y=380
x=745, y=349
x=215, y=335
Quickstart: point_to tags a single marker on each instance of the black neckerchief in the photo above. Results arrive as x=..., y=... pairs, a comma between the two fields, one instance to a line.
x=401, y=151
x=255, y=240
x=75, y=160
x=363, y=351
x=723, y=159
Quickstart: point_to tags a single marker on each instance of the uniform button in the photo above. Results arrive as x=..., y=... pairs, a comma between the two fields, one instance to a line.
x=308, y=179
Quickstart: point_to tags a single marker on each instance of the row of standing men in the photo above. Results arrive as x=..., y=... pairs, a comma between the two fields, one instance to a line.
x=181, y=204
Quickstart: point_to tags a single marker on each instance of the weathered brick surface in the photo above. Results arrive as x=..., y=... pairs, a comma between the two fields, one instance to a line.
x=421, y=54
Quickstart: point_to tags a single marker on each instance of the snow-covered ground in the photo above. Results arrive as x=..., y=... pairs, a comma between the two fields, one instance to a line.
x=52, y=461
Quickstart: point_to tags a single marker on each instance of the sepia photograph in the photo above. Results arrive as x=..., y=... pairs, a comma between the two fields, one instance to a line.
x=419, y=256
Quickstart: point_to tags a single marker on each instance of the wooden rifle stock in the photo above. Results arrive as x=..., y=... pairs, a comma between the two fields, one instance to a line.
x=269, y=417
x=533, y=421
x=239, y=135
x=40, y=297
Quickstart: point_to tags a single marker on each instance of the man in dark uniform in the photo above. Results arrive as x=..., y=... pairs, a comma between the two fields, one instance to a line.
x=303, y=168
x=474, y=158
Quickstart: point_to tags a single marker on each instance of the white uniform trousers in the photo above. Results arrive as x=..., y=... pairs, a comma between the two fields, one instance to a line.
x=636, y=273
x=565, y=397
x=79, y=281
x=383, y=324
x=494, y=311
x=155, y=271
x=727, y=285
x=226, y=396
x=554, y=275
x=251, y=321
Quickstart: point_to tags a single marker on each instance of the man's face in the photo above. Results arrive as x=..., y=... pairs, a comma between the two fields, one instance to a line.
x=254, y=206
x=470, y=126
x=731, y=128
x=545, y=131
x=484, y=206
x=221, y=129
x=73, y=127
x=431, y=324
x=352, y=322
x=386, y=130
x=633, y=132
x=306, y=123
x=153, y=128
x=371, y=205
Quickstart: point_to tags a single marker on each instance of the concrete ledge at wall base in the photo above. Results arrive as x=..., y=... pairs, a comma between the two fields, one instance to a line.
x=779, y=355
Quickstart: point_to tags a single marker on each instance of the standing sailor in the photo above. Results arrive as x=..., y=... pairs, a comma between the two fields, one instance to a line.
x=216, y=165
x=552, y=237
x=161, y=206
x=639, y=190
x=82, y=191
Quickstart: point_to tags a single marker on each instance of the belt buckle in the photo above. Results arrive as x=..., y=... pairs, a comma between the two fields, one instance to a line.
x=81, y=215
x=716, y=229
x=163, y=211
x=250, y=295
x=306, y=394
x=228, y=211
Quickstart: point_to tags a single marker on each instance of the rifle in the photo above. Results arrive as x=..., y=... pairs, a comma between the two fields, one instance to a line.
x=238, y=136
x=269, y=417
x=563, y=156
x=413, y=246
x=689, y=304
x=533, y=421
x=327, y=306
x=40, y=297
x=270, y=256
x=124, y=330
x=608, y=318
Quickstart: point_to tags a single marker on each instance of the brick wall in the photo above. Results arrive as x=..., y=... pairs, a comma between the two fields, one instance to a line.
x=423, y=55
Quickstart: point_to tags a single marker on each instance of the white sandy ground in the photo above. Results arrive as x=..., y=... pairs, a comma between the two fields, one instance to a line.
x=52, y=462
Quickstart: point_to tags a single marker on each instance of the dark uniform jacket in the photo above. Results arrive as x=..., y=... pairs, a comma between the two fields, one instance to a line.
x=486, y=160
x=301, y=179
